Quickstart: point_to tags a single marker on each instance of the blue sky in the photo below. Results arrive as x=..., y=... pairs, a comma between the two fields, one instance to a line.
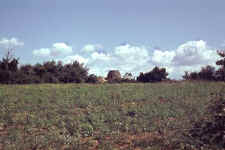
x=100, y=33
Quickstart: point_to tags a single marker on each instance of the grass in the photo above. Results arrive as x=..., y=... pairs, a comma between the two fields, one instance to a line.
x=102, y=116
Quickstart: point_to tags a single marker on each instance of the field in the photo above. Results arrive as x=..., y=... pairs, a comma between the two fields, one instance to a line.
x=102, y=116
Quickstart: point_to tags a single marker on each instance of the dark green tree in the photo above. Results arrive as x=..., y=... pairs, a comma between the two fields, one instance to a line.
x=221, y=71
x=155, y=75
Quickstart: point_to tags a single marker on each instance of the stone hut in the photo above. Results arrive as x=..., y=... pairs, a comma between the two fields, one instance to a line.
x=114, y=75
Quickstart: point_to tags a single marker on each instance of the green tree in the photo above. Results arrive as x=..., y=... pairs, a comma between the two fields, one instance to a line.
x=221, y=71
x=207, y=73
x=155, y=75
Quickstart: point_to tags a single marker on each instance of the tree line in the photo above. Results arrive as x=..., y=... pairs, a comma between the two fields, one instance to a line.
x=209, y=72
x=75, y=72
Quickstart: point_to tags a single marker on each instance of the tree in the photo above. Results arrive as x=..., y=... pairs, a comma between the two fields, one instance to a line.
x=186, y=75
x=92, y=79
x=27, y=69
x=221, y=71
x=8, y=67
x=207, y=73
x=155, y=75
x=128, y=76
x=39, y=70
x=73, y=73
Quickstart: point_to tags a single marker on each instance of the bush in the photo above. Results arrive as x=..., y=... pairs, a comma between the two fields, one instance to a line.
x=92, y=79
x=210, y=131
x=156, y=75
x=206, y=73
x=73, y=73
x=221, y=72
x=48, y=72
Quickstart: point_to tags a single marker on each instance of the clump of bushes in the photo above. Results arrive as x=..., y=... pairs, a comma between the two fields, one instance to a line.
x=208, y=72
x=92, y=79
x=155, y=75
x=48, y=72
x=210, y=131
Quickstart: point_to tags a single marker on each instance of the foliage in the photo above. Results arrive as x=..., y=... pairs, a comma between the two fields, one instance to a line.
x=206, y=73
x=221, y=71
x=209, y=72
x=92, y=79
x=128, y=78
x=155, y=75
x=48, y=72
x=210, y=130
x=8, y=68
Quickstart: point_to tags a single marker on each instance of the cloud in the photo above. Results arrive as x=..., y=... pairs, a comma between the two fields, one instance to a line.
x=126, y=58
x=57, y=49
x=130, y=51
x=72, y=58
x=163, y=57
x=189, y=56
x=61, y=49
x=43, y=52
x=100, y=56
x=92, y=47
x=130, y=57
x=194, y=53
x=10, y=43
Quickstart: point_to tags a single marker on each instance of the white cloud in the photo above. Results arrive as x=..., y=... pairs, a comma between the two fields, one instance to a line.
x=126, y=58
x=100, y=56
x=61, y=49
x=194, y=53
x=43, y=52
x=163, y=57
x=57, y=49
x=10, y=43
x=92, y=47
x=72, y=58
x=131, y=54
x=190, y=56
x=128, y=50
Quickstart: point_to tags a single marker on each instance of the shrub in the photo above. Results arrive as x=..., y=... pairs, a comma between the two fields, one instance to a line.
x=156, y=75
x=73, y=73
x=221, y=72
x=206, y=73
x=92, y=79
x=210, y=131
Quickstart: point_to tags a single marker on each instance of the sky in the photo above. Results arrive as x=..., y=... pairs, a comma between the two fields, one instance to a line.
x=126, y=35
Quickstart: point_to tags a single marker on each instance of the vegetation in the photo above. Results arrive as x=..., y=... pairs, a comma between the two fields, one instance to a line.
x=181, y=115
x=209, y=72
x=156, y=75
x=48, y=72
x=56, y=72
x=206, y=73
x=221, y=62
x=110, y=116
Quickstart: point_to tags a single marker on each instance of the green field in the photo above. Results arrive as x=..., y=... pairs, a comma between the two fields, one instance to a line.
x=101, y=116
